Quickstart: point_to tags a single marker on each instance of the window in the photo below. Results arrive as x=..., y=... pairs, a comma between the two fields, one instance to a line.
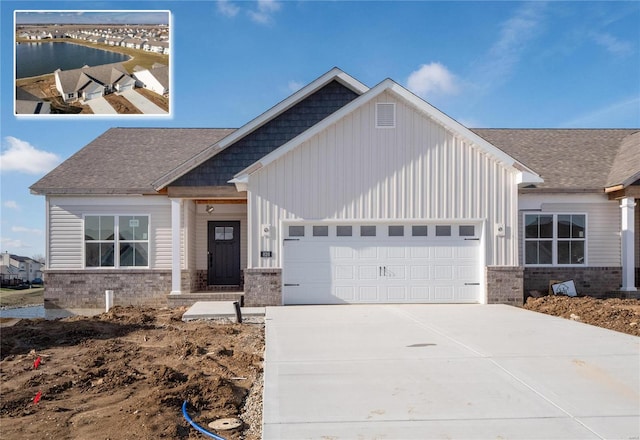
x=419, y=230
x=367, y=231
x=466, y=230
x=443, y=231
x=116, y=241
x=296, y=231
x=344, y=231
x=396, y=231
x=321, y=231
x=554, y=239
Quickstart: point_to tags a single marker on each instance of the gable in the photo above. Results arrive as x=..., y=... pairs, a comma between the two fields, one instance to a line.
x=218, y=170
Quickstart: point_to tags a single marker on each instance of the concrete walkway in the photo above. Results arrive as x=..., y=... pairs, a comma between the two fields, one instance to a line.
x=100, y=106
x=143, y=104
x=446, y=371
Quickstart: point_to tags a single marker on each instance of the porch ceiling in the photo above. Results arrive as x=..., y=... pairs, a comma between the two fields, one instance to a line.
x=207, y=193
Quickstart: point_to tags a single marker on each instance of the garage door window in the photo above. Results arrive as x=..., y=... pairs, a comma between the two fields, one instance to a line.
x=419, y=230
x=396, y=231
x=321, y=231
x=296, y=231
x=367, y=231
x=467, y=231
x=344, y=231
x=443, y=231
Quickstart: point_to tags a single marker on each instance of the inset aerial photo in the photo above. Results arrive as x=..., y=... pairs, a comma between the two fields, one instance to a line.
x=92, y=62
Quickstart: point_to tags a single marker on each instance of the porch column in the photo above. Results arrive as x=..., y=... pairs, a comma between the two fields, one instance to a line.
x=627, y=204
x=176, y=272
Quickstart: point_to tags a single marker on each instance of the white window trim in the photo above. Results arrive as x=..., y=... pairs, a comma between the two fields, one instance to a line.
x=116, y=242
x=554, y=239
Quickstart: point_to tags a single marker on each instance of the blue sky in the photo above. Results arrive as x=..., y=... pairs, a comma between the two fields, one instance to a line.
x=486, y=64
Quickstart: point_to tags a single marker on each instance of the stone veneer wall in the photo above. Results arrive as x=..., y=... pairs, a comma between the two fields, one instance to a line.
x=505, y=285
x=84, y=289
x=588, y=280
x=262, y=287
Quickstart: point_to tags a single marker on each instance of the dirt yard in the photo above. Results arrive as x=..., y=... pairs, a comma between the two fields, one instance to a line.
x=621, y=315
x=122, y=105
x=126, y=373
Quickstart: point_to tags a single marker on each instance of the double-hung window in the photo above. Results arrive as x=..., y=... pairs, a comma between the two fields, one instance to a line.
x=555, y=239
x=116, y=241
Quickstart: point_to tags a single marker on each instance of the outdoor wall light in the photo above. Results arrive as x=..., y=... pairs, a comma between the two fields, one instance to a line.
x=209, y=209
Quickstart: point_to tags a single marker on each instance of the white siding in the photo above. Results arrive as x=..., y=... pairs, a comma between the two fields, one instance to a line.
x=603, y=222
x=354, y=171
x=222, y=212
x=66, y=232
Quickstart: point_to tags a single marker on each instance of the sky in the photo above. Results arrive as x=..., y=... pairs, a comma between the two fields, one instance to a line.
x=486, y=64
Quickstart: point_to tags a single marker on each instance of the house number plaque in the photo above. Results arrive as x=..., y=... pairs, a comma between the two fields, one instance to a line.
x=266, y=254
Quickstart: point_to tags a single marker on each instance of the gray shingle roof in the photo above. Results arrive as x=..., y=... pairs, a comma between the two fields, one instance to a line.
x=568, y=159
x=74, y=79
x=127, y=160
x=626, y=166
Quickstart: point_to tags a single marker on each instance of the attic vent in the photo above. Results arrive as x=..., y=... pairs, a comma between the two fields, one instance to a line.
x=385, y=115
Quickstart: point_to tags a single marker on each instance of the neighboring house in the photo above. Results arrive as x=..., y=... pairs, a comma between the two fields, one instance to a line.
x=155, y=79
x=342, y=193
x=92, y=82
x=29, y=104
x=15, y=267
x=157, y=46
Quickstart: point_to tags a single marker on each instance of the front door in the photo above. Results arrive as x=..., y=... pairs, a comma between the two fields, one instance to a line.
x=224, y=253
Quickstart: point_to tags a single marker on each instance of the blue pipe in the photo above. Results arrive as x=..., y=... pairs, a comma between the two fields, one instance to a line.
x=196, y=426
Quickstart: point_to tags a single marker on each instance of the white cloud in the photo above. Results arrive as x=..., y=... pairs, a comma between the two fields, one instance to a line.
x=26, y=230
x=432, y=78
x=23, y=157
x=11, y=204
x=515, y=35
x=228, y=9
x=294, y=86
x=612, y=44
x=264, y=11
x=12, y=245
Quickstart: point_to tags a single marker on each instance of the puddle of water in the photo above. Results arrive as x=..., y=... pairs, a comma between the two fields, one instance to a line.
x=23, y=312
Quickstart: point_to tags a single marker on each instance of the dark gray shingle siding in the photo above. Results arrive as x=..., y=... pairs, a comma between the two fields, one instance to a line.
x=221, y=168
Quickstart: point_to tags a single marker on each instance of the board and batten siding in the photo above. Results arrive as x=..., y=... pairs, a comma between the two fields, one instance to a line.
x=355, y=171
x=66, y=230
x=603, y=222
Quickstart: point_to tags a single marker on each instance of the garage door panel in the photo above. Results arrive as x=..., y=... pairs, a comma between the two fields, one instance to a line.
x=396, y=253
x=420, y=273
x=345, y=293
x=443, y=293
x=442, y=272
x=443, y=252
x=345, y=273
x=396, y=272
x=368, y=294
x=420, y=293
x=367, y=272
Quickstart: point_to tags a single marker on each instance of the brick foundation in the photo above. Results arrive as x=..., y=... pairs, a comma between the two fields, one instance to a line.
x=84, y=289
x=505, y=285
x=588, y=280
x=262, y=287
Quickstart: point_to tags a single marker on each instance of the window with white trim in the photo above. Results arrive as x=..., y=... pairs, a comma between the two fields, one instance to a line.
x=555, y=239
x=116, y=241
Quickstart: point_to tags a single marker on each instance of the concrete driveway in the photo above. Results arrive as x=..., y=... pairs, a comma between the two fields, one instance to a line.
x=143, y=104
x=446, y=371
x=100, y=106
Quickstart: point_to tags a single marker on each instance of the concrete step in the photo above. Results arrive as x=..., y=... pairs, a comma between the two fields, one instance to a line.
x=189, y=299
x=220, y=309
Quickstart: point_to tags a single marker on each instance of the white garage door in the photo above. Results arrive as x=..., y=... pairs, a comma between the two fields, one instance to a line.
x=381, y=263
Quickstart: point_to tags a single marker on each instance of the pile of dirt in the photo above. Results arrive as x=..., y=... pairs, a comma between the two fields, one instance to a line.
x=122, y=105
x=126, y=373
x=621, y=315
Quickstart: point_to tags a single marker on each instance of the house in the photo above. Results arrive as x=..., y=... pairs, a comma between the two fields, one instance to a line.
x=29, y=104
x=342, y=193
x=155, y=79
x=92, y=82
x=157, y=46
x=15, y=267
